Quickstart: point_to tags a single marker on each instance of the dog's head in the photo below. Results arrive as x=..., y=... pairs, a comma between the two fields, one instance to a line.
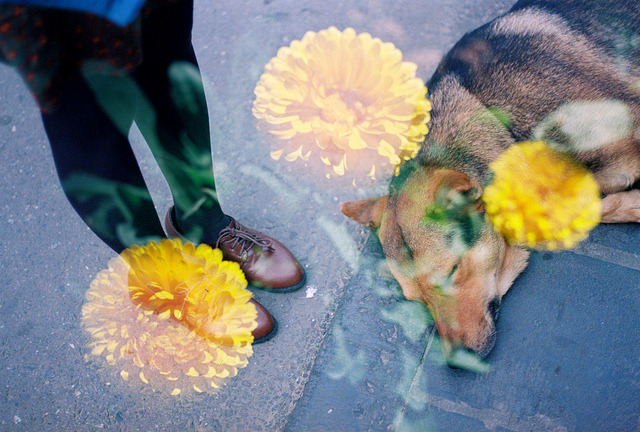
x=461, y=281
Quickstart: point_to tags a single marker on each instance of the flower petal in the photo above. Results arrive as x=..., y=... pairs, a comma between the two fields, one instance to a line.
x=341, y=91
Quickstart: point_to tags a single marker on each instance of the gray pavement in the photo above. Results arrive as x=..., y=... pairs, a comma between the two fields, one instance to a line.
x=349, y=355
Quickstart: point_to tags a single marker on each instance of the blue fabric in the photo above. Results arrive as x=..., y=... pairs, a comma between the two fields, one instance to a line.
x=120, y=12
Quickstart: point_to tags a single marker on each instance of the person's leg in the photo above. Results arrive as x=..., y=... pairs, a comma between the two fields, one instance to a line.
x=170, y=80
x=98, y=170
x=102, y=180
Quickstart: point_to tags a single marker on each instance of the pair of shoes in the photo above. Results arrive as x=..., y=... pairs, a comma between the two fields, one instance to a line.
x=266, y=263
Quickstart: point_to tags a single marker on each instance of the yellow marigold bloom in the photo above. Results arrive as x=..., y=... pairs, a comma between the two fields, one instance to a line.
x=341, y=102
x=170, y=316
x=541, y=198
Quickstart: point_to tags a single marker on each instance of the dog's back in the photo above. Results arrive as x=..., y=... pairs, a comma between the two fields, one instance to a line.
x=524, y=65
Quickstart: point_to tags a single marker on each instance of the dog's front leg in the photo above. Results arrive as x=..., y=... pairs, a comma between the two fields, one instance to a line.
x=621, y=207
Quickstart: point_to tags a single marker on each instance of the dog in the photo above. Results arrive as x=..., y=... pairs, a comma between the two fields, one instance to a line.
x=493, y=88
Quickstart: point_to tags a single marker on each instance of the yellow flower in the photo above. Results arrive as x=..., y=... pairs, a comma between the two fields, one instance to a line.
x=541, y=198
x=171, y=316
x=340, y=102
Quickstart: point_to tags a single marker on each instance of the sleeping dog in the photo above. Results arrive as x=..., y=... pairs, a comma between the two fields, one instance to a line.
x=523, y=66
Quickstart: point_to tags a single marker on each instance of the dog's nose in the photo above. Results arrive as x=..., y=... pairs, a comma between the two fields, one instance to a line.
x=490, y=341
x=494, y=309
x=488, y=345
x=454, y=358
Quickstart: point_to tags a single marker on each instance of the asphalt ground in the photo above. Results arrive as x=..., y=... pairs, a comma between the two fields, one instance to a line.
x=349, y=355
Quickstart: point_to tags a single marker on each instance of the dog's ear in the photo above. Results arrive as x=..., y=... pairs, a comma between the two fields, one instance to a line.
x=457, y=207
x=367, y=211
x=460, y=182
x=458, y=188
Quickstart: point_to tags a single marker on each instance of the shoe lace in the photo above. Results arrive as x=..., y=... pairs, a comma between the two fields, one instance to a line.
x=246, y=239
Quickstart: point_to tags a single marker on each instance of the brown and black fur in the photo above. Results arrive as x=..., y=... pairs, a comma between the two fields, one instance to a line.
x=525, y=64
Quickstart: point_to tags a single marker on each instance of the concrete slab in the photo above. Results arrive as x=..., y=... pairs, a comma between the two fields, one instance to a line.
x=49, y=259
x=566, y=357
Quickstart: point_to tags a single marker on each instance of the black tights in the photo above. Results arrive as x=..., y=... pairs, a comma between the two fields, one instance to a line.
x=96, y=166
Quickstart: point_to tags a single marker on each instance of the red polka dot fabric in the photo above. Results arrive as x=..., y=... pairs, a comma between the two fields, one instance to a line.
x=44, y=43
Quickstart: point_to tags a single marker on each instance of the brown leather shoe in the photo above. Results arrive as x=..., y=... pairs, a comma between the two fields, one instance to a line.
x=267, y=325
x=266, y=263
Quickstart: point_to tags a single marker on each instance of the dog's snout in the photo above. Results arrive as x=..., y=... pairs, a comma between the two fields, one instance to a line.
x=484, y=351
x=487, y=345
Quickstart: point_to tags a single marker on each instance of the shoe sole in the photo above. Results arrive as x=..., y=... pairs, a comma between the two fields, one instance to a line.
x=269, y=336
x=292, y=288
